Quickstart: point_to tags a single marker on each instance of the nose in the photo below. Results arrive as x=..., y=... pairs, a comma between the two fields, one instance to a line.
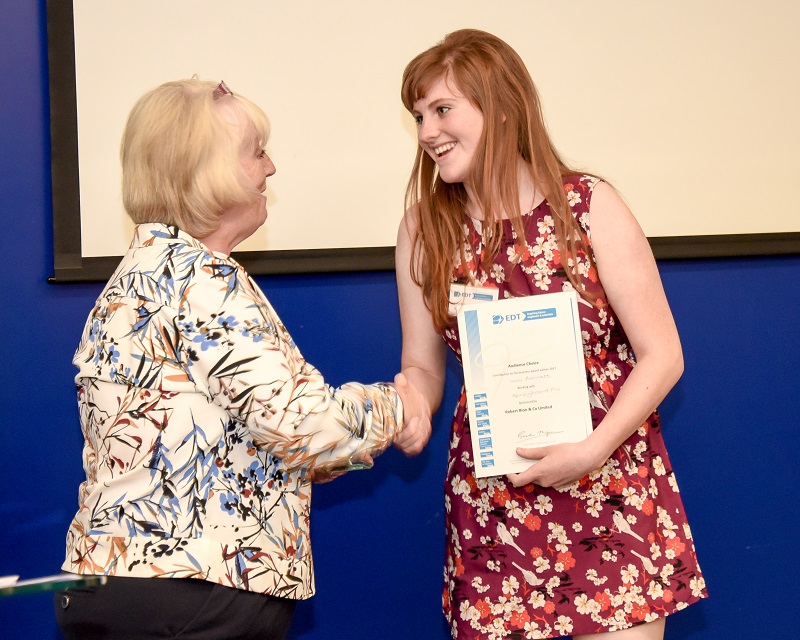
x=269, y=166
x=427, y=131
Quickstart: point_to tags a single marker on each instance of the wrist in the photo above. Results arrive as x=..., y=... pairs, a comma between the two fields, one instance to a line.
x=601, y=447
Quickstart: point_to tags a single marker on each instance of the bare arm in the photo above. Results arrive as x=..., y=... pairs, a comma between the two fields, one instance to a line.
x=633, y=286
x=423, y=355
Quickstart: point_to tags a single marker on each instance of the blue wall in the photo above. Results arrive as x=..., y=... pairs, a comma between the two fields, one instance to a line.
x=731, y=423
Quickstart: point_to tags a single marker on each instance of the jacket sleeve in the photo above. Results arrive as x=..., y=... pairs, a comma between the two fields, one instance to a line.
x=238, y=352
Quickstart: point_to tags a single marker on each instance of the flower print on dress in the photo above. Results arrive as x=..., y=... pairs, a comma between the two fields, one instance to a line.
x=593, y=572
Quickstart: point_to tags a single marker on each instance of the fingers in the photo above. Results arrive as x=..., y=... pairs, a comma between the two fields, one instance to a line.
x=529, y=475
x=414, y=437
x=412, y=449
x=417, y=417
x=409, y=432
x=410, y=436
x=521, y=479
x=532, y=453
x=366, y=459
x=322, y=476
x=363, y=460
x=544, y=475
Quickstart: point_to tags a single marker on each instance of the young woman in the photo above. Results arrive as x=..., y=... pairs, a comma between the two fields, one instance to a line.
x=593, y=537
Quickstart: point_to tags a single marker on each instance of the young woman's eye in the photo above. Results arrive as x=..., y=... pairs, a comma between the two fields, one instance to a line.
x=418, y=120
x=442, y=110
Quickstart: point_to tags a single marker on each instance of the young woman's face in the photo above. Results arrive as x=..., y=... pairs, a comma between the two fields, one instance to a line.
x=449, y=129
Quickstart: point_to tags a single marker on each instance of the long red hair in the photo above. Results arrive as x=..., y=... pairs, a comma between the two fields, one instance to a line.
x=492, y=76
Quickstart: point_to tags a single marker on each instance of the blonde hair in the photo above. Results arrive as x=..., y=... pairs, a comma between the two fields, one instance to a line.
x=493, y=77
x=181, y=155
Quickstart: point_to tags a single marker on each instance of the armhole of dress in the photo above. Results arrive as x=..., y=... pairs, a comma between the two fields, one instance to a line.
x=591, y=182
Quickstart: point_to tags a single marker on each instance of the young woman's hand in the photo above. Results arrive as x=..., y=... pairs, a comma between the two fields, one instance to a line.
x=559, y=465
x=416, y=417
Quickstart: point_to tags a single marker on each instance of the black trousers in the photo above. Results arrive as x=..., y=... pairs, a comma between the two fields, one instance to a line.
x=185, y=609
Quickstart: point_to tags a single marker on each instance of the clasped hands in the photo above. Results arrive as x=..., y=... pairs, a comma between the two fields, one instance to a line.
x=416, y=417
x=556, y=466
x=412, y=437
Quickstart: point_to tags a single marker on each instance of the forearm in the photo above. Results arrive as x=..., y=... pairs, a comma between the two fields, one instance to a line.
x=330, y=426
x=647, y=385
x=429, y=384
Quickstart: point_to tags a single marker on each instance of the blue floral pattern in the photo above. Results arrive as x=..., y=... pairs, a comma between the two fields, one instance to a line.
x=202, y=422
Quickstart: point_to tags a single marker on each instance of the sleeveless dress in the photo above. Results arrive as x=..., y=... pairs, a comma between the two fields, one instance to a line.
x=614, y=549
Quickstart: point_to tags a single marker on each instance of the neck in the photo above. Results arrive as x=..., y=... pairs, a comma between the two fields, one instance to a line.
x=223, y=239
x=529, y=195
x=217, y=243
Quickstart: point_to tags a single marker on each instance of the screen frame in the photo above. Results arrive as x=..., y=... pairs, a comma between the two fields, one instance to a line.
x=71, y=266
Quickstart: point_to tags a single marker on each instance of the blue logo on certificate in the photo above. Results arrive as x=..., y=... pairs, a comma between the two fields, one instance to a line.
x=536, y=314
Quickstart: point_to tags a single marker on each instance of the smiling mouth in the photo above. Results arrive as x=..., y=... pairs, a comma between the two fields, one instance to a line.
x=442, y=149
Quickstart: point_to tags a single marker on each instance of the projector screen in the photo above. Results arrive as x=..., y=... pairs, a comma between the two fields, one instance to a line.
x=688, y=108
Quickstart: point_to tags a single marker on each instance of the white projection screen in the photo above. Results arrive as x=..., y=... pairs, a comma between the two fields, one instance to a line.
x=688, y=108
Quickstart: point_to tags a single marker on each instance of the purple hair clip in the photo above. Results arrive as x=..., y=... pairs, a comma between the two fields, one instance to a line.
x=222, y=90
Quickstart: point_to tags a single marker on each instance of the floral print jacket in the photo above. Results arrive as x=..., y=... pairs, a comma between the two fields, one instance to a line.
x=201, y=422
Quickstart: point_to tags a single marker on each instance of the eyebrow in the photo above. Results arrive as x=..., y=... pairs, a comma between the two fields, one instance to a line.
x=438, y=101
x=435, y=103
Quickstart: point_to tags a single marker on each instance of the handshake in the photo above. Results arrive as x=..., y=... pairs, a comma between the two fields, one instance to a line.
x=416, y=430
x=411, y=437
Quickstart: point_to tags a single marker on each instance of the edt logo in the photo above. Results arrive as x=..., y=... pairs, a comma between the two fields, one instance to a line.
x=536, y=314
x=498, y=319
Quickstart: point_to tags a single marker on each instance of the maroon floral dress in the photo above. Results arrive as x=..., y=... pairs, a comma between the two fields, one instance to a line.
x=614, y=549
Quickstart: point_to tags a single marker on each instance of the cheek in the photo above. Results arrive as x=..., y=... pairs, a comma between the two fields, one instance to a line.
x=428, y=151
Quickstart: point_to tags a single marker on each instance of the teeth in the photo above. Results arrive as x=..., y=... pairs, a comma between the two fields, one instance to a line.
x=445, y=147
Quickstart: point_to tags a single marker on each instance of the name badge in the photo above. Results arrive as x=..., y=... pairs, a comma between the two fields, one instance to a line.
x=462, y=295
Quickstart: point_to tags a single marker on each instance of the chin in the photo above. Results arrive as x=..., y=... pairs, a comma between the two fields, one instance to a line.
x=452, y=177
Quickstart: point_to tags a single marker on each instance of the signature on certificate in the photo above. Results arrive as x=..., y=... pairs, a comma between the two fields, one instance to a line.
x=525, y=436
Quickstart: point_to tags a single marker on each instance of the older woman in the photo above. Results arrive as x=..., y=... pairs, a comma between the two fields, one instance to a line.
x=203, y=423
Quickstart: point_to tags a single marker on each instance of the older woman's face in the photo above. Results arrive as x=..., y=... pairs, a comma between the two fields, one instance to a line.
x=256, y=163
x=242, y=220
x=258, y=167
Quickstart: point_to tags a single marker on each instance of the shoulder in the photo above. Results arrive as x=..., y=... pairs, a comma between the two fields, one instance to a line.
x=171, y=268
x=404, y=248
x=579, y=188
x=407, y=232
x=409, y=222
x=614, y=228
x=605, y=199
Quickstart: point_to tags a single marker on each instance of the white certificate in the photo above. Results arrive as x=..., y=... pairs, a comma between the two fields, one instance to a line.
x=525, y=378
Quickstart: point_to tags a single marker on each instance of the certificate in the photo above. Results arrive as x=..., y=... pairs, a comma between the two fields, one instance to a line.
x=525, y=378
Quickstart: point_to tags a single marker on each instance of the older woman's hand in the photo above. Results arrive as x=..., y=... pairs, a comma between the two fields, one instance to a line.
x=362, y=461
